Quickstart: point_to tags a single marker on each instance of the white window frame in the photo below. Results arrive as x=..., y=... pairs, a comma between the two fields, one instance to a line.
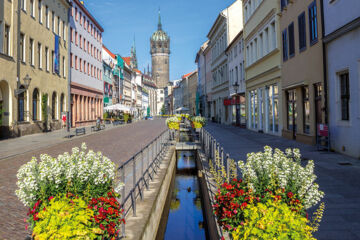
x=40, y=7
x=32, y=61
x=64, y=67
x=32, y=8
x=47, y=17
x=47, y=59
x=40, y=57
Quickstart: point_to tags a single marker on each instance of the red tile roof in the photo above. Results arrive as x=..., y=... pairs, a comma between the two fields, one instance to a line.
x=138, y=71
x=127, y=60
x=187, y=75
x=109, y=52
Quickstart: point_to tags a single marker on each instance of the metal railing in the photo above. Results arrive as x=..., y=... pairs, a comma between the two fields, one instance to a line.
x=211, y=146
x=137, y=172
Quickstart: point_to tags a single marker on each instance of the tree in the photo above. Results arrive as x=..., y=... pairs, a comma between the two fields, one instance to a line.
x=44, y=110
x=163, y=109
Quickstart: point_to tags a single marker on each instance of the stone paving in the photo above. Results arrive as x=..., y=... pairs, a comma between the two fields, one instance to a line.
x=341, y=183
x=118, y=143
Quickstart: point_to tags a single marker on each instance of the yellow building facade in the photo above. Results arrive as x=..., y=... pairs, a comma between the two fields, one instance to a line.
x=262, y=65
x=34, y=45
x=302, y=69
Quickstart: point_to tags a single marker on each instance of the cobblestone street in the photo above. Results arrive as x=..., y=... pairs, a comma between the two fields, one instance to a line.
x=119, y=144
x=338, y=177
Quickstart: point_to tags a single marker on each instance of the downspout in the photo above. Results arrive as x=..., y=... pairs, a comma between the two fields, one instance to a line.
x=69, y=122
x=324, y=62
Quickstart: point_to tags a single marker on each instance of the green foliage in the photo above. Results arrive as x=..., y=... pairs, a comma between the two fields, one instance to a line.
x=65, y=218
x=106, y=115
x=163, y=109
x=272, y=220
x=126, y=117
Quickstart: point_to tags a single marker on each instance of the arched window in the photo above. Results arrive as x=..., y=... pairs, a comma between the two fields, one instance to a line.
x=35, y=104
x=62, y=98
x=21, y=105
x=53, y=106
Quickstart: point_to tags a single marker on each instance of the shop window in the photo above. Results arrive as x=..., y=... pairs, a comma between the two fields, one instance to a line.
x=291, y=110
x=306, y=110
x=345, y=96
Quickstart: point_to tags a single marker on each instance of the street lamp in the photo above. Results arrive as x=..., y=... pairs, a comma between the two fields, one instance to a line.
x=236, y=87
x=27, y=81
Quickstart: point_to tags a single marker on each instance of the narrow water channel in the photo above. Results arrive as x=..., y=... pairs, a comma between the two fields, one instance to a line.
x=183, y=216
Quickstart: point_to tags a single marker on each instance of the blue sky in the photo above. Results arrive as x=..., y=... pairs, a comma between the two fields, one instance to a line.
x=186, y=21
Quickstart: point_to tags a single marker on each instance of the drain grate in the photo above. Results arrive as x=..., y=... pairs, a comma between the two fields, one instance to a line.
x=345, y=163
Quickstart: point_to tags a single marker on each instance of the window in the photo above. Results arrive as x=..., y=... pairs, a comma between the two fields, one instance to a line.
x=53, y=61
x=302, y=31
x=306, y=110
x=80, y=41
x=345, y=96
x=273, y=108
x=71, y=60
x=266, y=41
x=59, y=26
x=80, y=19
x=72, y=34
x=313, y=23
x=236, y=74
x=40, y=11
x=291, y=110
x=62, y=101
x=291, y=40
x=76, y=38
x=80, y=64
x=22, y=47
x=53, y=21
x=23, y=4
x=32, y=8
x=64, y=30
x=88, y=68
x=76, y=14
x=285, y=48
x=261, y=53
x=31, y=52
x=283, y=4
x=273, y=36
x=21, y=105
x=47, y=58
x=53, y=106
x=318, y=103
x=39, y=55
x=35, y=105
x=7, y=40
x=47, y=16
x=76, y=63
x=64, y=68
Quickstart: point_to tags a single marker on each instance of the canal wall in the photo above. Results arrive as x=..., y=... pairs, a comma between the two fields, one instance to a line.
x=145, y=224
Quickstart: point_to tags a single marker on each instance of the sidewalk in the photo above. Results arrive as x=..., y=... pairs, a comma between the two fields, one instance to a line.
x=15, y=146
x=341, y=183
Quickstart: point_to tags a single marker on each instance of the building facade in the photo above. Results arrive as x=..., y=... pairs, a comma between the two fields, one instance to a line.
x=302, y=69
x=127, y=97
x=160, y=54
x=342, y=37
x=109, y=64
x=151, y=88
x=262, y=65
x=87, y=87
x=208, y=82
x=227, y=25
x=192, y=92
x=201, y=91
x=236, y=73
x=33, y=59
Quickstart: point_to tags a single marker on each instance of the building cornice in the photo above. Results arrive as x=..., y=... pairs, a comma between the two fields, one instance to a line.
x=89, y=15
x=342, y=30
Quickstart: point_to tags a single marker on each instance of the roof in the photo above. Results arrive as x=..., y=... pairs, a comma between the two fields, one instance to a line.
x=109, y=52
x=151, y=84
x=127, y=60
x=234, y=40
x=138, y=71
x=189, y=74
x=89, y=14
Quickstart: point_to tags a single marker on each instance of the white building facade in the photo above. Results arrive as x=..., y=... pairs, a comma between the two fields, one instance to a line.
x=227, y=25
x=236, y=73
x=342, y=38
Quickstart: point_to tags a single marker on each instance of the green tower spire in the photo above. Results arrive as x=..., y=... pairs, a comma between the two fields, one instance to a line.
x=159, y=23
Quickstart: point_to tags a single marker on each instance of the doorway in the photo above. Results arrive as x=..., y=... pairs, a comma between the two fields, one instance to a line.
x=291, y=112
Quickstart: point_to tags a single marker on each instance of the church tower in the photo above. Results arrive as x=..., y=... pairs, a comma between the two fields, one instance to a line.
x=160, y=52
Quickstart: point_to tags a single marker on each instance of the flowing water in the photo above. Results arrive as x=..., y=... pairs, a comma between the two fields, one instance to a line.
x=183, y=213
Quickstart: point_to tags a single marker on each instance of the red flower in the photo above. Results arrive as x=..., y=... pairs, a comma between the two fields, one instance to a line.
x=290, y=194
x=101, y=226
x=243, y=205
